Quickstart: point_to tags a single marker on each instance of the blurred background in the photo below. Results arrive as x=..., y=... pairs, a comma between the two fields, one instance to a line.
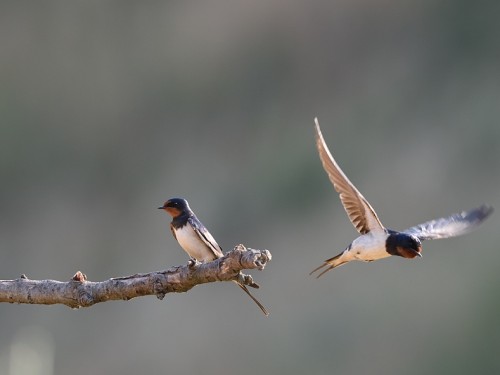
x=107, y=109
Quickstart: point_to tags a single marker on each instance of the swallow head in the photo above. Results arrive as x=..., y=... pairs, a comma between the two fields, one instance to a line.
x=403, y=245
x=175, y=207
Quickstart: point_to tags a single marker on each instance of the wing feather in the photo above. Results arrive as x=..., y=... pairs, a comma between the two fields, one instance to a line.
x=206, y=237
x=451, y=226
x=360, y=212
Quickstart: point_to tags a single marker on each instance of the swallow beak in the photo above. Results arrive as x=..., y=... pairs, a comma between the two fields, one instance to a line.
x=161, y=208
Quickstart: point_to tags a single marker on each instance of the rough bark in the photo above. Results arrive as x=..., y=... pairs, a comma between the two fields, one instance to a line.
x=80, y=292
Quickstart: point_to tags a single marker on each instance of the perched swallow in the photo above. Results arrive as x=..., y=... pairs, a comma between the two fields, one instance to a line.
x=377, y=242
x=194, y=238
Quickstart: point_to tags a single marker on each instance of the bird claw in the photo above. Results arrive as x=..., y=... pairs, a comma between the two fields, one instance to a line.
x=247, y=280
x=193, y=263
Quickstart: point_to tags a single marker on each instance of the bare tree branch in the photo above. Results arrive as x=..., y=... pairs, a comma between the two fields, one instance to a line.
x=79, y=292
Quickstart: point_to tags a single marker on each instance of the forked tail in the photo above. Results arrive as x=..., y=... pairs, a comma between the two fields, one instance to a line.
x=252, y=297
x=332, y=263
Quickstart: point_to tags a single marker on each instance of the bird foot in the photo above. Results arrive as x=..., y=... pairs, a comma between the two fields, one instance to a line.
x=193, y=263
x=247, y=280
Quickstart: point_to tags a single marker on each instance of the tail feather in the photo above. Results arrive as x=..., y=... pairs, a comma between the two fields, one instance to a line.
x=334, y=262
x=252, y=297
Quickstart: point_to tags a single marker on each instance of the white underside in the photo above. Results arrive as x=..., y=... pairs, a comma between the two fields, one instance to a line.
x=369, y=247
x=193, y=245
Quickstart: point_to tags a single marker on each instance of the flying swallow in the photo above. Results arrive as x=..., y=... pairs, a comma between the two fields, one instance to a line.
x=377, y=242
x=194, y=238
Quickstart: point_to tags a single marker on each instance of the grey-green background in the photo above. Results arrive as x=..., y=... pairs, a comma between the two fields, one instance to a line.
x=109, y=108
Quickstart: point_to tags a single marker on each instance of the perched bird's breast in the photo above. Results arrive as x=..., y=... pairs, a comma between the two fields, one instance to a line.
x=192, y=244
x=370, y=246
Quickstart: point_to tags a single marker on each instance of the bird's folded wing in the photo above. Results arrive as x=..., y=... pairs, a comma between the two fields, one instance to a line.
x=206, y=237
x=454, y=225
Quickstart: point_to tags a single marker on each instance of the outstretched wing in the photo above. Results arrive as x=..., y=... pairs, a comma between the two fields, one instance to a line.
x=360, y=212
x=206, y=237
x=454, y=225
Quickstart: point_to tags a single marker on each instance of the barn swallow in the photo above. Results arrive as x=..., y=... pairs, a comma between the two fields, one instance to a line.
x=194, y=238
x=377, y=242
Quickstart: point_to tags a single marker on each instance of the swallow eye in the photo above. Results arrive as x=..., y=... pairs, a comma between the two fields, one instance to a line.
x=173, y=204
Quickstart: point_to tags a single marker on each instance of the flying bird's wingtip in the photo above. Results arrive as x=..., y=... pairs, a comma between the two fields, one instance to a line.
x=316, y=125
x=487, y=209
x=483, y=211
x=319, y=135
